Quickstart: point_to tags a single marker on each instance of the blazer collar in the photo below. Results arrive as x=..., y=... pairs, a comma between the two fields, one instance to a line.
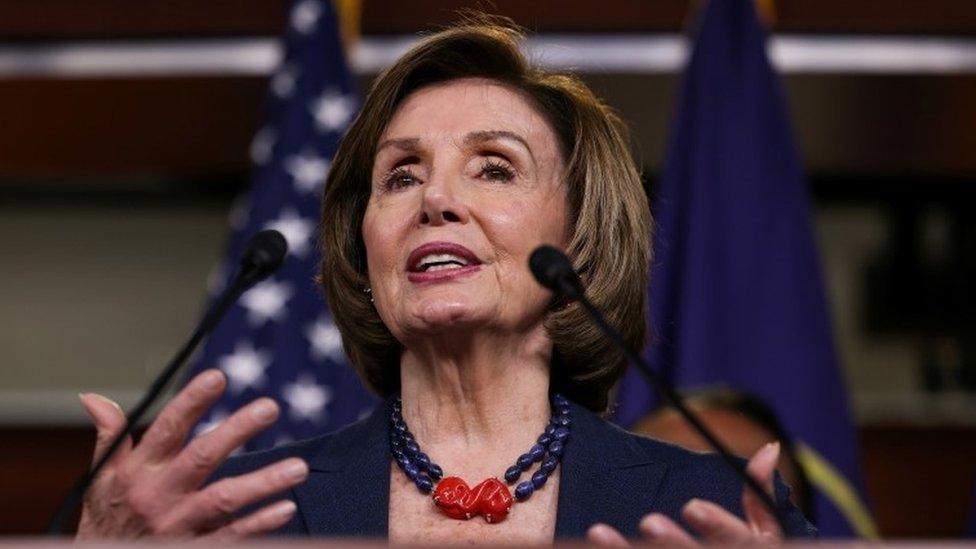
x=606, y=476
x=347, y=493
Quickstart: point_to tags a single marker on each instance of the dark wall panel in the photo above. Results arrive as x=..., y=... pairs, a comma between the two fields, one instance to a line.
x=85, y=128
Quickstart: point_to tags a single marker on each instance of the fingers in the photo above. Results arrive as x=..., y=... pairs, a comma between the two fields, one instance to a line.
x=762, y=466
x=206, y=452
x=604, y=534
x=659, y=529
x=109, y=421
x=260, y=522
x=168, y=432
x=218, y=502
x=715, y=524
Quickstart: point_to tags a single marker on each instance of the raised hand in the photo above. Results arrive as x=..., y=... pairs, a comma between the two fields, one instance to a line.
x=156, y=487
x=712, y=522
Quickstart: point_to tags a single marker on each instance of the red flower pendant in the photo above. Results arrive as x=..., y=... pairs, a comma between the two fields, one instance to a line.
x=491, y=498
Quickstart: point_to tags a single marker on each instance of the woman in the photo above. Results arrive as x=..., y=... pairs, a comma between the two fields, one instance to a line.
x=462, y=161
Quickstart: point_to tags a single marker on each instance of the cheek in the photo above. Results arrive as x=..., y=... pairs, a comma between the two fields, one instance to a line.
x=538, y=222
x=519, y=227
x=379, y=239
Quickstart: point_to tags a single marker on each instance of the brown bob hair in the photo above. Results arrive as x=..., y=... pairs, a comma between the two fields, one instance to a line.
x=609, y=216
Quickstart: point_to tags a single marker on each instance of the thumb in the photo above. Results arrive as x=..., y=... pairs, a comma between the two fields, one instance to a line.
x=109, y=422
x=762, y=467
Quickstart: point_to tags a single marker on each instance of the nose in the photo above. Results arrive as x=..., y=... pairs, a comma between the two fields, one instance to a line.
x=442, y=204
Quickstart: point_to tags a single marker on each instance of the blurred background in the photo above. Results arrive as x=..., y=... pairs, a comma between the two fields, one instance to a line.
x=126, y=133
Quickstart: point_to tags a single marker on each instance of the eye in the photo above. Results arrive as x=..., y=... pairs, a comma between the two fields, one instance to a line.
x=399, y=177
x=496, y=170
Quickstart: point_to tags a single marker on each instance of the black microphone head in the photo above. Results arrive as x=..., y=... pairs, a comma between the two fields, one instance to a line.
x=264, y=254
x=553, y=270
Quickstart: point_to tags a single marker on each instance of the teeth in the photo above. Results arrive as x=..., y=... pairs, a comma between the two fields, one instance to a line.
x=438, y=262
x=442, y=267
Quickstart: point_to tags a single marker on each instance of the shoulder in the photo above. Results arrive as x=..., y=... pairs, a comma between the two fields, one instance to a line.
x=680, y=474
x=708, y=476
x=252, y=461
x=323, y=453
x=684, y=471
x=316, y=451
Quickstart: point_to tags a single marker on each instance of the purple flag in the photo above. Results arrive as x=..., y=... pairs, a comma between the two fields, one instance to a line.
x=736, y=294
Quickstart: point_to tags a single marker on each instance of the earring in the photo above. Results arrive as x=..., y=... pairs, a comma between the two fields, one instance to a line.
x=369, y=293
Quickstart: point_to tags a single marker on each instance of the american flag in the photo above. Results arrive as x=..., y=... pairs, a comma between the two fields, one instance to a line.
x=279, y=339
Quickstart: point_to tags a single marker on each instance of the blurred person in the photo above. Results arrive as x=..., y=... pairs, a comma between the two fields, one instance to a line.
x=462, y=161
x=745, y=424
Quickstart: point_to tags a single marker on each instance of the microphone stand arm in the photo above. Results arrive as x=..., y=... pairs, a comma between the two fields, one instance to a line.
x=241, y=282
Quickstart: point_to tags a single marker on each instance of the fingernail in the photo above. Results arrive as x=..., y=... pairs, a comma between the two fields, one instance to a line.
x=653, y=525
x=296, y=470
x=283, y=508
x=696, y=511
x=265, y=410
x=600, y=532
x=106, y=399
x=211, y=379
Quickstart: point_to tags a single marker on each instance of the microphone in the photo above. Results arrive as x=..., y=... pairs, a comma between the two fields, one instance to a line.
x=553, y=270
x=264, y=254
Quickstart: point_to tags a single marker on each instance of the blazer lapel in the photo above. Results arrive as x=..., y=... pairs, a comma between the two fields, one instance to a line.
x=605, y=477
x=347, y=493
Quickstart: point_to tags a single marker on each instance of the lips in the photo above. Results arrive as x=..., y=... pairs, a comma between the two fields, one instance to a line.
x=440, y=260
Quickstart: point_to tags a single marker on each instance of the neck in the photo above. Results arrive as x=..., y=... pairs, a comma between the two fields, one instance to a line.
x=477, y=399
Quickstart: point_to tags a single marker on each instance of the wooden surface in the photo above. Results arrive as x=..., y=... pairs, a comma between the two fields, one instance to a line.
x=28, y=20
x=920, y=480
x=83, y=128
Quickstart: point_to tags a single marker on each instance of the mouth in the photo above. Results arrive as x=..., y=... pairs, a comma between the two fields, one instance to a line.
x=441, y=257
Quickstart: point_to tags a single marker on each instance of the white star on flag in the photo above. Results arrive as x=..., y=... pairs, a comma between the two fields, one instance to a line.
x=216, y=417
x=266, y=301
x=245, y=367
x=262, y=145
x=282, y=439
x=295, y=229
x=284, y=80
x=325, y=339
x=332, y=110
x=308, y=170
x=305, y=15
x=307, y=399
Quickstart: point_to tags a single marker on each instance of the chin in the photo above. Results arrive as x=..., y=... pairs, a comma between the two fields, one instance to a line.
x=440, y=315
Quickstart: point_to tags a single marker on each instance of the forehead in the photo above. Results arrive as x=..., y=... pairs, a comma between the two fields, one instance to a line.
x=455, y=108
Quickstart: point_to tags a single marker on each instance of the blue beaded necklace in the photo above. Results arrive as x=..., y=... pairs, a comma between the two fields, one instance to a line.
x=490, y=498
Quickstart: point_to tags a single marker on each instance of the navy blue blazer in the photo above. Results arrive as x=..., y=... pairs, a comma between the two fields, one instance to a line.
x=608, y=475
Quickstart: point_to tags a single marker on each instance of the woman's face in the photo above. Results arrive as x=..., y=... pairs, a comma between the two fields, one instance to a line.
x=465, y=184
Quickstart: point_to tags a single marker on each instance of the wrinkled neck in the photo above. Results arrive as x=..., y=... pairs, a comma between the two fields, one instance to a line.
x=477, y=401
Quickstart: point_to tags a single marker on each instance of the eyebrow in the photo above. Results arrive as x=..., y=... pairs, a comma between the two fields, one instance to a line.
x=473, y=138
x=405, y=143
x=484, y=136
